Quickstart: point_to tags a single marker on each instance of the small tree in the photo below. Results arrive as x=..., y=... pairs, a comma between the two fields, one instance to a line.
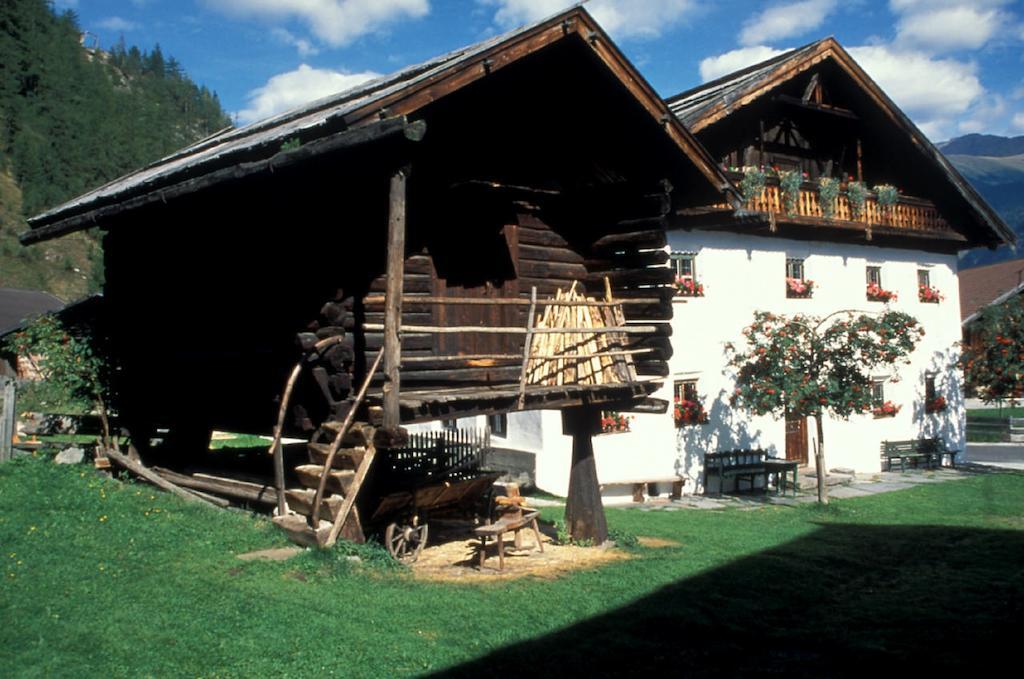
x=806, y=366
x=993, y=358
x=67, y=361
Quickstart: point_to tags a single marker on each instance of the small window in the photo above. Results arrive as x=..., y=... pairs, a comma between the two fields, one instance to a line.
x=797, y=285
x=498, y=425
x=924, y=279
x=685, y=264
x=686, y=390
x=874, y=275
x=449, y=425
x=877, y=393
x=929, y=387
x=934, y=402
x=687, y=409
x=613, y=422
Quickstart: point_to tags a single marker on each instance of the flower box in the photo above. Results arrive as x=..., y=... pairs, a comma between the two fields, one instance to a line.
x=688, y=287
x=935, y=405
x=876, y=293
x=799, y=289
x=929, y=295
x=614, y=423
x=689, y=412
x=887, y=409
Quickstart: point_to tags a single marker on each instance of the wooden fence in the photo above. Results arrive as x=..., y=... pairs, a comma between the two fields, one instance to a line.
x=7, y=417
x=995, y=430
x=449, y=454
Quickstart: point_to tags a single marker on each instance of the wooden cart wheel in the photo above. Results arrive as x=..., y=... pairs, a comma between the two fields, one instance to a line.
x=405, y=542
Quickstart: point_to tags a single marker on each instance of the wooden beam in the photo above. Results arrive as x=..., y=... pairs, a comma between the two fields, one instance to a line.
x=393, y=297
x=154, y=478
x=412, y=300
x=660, y=329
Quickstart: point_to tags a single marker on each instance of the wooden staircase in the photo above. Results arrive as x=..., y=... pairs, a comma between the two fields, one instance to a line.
x=349, y=464
x=341, y=453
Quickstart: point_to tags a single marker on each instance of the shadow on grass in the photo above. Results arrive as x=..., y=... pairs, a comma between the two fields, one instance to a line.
x=844, y=600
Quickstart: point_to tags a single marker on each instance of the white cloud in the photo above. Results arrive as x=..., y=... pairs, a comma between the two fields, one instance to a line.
x=294, y=88
x=785, y=21
x=621, y=18
x=723, y=64
x=934, y=92
x=950, y=28
x=1018, y=121
x=117, y=24
x=304, y=47
x=336, y=22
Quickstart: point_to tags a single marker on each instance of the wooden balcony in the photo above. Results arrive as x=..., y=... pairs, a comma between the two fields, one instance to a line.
x=908, y=214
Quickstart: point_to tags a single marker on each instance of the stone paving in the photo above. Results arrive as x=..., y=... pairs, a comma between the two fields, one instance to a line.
x=861, y=485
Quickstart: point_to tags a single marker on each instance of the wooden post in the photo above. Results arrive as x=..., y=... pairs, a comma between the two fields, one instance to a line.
x=526, y=346
x=7, y=418
x=584, y=512
x=393, y=297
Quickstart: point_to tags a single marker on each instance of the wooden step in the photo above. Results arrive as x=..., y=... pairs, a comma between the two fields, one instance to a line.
x=345, y=458
x=357, y=436
x=338, y=481
x=300, y=501
x=299, y=532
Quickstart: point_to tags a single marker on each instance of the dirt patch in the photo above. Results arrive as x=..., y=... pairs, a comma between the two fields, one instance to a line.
x=451, y=556
x=278, y=554
x=645, y=541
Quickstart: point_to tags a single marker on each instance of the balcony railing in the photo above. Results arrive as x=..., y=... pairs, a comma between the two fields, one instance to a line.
x=909, y=213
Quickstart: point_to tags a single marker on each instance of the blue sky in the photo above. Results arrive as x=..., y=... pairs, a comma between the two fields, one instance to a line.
x=955, y=66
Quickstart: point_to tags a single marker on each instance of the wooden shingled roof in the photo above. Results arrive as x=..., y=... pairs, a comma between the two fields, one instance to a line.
x=992, y=284
x=389, y=101
x=703, y=106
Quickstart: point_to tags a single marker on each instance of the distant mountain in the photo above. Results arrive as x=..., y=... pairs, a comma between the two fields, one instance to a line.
x=983, y=145
x=996, y=170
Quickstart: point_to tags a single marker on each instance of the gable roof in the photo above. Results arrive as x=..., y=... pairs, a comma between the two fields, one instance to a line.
x=986, y=285
x=709, y=103
x=392, y=96
x=17, y=305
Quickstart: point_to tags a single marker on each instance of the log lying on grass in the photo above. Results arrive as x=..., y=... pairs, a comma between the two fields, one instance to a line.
x=159, y=482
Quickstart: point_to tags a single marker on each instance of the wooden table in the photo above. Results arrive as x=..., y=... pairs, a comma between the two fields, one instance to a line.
x=780, y=468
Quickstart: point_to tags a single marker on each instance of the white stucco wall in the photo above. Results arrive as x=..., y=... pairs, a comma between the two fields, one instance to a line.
x=741, y=274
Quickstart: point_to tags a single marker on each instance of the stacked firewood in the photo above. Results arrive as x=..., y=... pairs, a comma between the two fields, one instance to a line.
x=579, y=357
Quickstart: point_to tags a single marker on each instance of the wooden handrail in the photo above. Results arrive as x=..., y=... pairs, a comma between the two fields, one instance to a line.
x=504, y=330
x=909, y=212
x=314, y=516
x=511, y=301
x=286, y=397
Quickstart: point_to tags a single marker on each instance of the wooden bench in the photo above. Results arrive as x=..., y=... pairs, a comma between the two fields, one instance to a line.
x=639, y=486
x=737, y=464
x=508, y=523
x=930, y=451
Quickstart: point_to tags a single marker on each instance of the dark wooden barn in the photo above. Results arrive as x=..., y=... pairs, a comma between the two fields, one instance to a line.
x=417, y=218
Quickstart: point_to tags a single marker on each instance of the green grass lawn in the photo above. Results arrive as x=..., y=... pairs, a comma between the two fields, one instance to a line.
x=102, y=578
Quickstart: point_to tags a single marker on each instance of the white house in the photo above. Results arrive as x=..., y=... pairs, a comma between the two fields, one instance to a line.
x=814, y=112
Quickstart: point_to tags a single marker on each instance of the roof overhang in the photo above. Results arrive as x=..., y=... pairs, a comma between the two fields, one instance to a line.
x=363, y=115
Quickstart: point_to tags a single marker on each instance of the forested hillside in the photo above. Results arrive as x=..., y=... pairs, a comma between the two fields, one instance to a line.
x=72, y=119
